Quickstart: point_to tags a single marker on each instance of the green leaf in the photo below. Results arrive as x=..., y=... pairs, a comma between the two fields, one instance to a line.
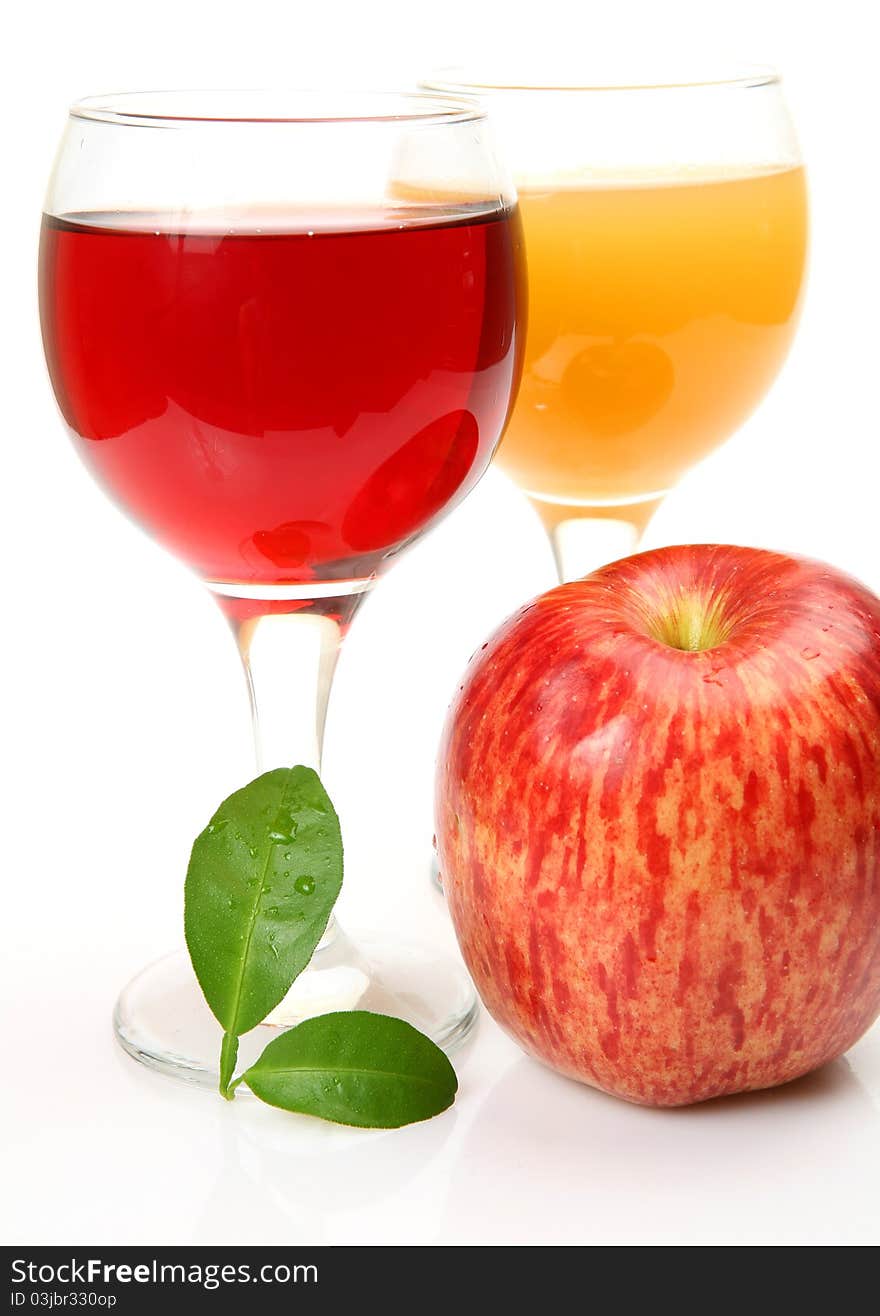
x=354, y=1067
x=262, y=880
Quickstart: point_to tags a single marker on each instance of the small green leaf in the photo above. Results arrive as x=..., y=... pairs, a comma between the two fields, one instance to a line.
x=262, y=880
x=354, y=1067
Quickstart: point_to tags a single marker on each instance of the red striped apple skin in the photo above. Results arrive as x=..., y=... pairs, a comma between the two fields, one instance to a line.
x=663, y=866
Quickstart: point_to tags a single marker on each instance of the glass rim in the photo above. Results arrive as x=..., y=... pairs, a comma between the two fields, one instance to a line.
x=459, y=81
x=145, y=108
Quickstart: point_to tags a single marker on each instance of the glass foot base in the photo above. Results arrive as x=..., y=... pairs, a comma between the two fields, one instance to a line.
x=162, y=1019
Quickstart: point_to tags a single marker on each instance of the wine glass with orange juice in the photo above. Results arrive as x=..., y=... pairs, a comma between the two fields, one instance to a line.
x=666, y=228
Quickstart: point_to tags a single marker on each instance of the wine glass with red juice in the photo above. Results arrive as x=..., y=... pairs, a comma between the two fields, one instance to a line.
x=284, y=334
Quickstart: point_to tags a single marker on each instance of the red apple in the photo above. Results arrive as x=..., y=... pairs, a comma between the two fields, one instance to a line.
x=658, y=821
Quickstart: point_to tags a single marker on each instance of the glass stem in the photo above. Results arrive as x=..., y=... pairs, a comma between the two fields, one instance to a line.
x=289, y=649
x=585, y=538
x=289, y=660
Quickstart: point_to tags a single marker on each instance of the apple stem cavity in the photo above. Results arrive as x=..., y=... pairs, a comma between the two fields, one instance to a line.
x=692, y=622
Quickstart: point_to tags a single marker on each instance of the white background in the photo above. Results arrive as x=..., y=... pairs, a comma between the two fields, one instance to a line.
x=124, y=718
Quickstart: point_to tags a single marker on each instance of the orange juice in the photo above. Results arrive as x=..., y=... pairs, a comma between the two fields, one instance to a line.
x=660, y=311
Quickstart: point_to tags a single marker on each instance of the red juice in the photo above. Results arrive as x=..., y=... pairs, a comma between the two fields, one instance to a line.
x=279, y=404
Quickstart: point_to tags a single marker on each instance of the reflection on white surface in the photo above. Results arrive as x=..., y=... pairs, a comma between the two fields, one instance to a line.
x=314, y=1182
x=524, y=1156
x=573, y=1165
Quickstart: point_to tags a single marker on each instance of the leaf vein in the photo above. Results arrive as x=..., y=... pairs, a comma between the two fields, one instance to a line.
x=253, y=919
x=336, y=1069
